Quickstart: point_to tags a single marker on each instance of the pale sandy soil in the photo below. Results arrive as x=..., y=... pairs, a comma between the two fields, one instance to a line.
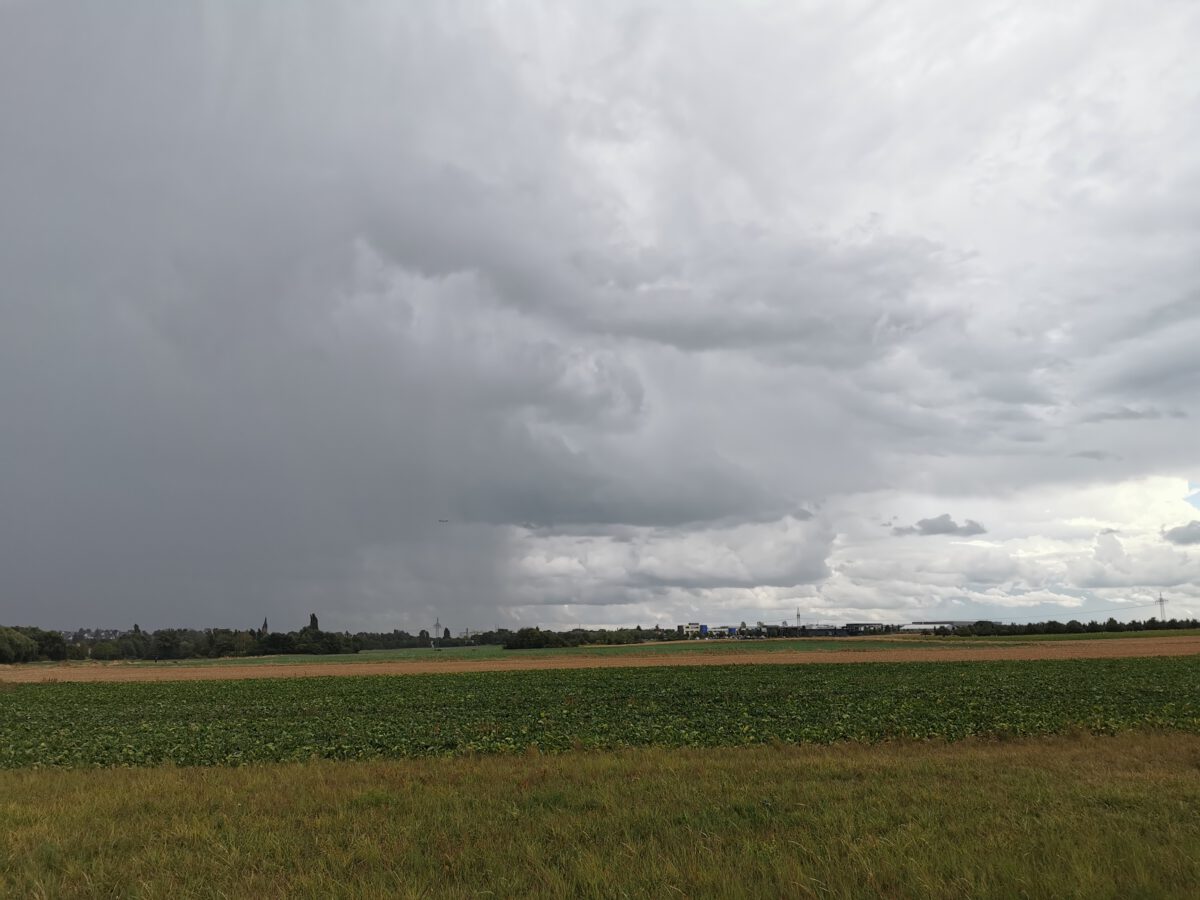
x=1078, y=649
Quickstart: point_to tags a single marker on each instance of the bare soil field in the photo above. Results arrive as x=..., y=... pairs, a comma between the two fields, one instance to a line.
x=523, y=660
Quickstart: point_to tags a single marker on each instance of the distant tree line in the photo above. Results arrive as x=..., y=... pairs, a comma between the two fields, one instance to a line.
x=27, y=644
x=535, y=638
x=1074, y=626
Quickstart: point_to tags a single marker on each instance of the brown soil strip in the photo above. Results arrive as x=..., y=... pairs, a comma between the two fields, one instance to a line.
x=1082, y=649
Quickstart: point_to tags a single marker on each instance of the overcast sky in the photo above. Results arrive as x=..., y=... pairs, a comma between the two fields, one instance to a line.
x=878, y=311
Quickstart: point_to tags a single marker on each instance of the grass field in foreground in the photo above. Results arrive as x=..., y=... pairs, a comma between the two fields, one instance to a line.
x=1095, y=817
x=234, y=722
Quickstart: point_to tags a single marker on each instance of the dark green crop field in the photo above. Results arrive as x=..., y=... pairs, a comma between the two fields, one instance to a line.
x=235, y=722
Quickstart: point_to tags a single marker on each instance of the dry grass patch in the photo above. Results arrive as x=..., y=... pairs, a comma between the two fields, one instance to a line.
x=1078, y=816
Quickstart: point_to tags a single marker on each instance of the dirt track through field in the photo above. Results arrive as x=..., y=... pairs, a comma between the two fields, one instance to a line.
x=1078, y=649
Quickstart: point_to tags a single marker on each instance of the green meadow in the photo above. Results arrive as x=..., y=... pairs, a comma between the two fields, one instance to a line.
x=1077, y=816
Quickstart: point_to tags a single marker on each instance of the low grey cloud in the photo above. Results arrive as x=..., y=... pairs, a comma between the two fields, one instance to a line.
x=1095, y=455
x=1184, y=534
x=942, y=524
x=1126, y=414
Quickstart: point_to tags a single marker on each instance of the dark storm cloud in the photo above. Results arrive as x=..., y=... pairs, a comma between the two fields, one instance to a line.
x=942, y=524
x=253, y=331
x=1184, y=534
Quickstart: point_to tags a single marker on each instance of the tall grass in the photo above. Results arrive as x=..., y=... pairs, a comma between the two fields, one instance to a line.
x=1073, y=816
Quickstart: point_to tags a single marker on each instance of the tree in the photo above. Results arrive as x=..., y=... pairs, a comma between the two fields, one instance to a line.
x=16, y=647
x=50, y=644
x=219, y=642
x=167, y=644
x=533, y=638
x=244, y=643
x=277, y=642
x=106, y=650
x=134, y=645
x=446, y=635
x=423, y=634
x=312, y=622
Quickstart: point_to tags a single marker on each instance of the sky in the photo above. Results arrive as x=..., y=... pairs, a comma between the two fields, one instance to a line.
x=559, y=314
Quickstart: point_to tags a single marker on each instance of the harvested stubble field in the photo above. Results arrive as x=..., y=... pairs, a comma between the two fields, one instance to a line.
x=715, y=654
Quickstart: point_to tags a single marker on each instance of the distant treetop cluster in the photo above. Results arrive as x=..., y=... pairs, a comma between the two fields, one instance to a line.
x=990, y=629
x=27, y=644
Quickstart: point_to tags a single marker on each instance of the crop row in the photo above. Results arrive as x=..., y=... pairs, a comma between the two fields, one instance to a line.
x=234, y=722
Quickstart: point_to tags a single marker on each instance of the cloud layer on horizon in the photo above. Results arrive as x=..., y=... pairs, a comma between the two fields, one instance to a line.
x=663, y=309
